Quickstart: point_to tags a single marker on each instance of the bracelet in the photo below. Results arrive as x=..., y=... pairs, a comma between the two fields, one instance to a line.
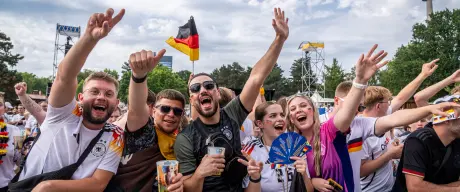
x=138, y=80
x=255, y=180
x=359, y=86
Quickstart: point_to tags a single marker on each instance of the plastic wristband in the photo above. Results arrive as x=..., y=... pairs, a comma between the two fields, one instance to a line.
x=255, y=180
x=138, y=80
x=262, y=91
x=359, y=86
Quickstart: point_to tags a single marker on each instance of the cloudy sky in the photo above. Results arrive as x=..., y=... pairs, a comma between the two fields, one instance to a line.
x=230, y=30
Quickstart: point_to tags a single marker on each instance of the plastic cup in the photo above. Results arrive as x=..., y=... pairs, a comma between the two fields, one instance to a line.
x=214, y=151
x=166, y=170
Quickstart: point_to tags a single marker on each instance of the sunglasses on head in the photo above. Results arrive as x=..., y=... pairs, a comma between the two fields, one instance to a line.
x=208, y=85
x=166, y=109
x=361, y=108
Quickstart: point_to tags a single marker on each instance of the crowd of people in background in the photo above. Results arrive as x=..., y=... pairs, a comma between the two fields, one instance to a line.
x=366, y=141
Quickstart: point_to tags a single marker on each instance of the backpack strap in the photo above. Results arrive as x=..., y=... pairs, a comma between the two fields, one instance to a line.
x=372, y=178
x=444, y=160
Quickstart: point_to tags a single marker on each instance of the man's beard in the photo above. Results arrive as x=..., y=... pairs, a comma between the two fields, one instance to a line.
x=209, y=113
x=94, y=120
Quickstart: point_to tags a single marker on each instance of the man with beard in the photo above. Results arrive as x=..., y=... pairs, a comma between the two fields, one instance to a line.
x=431, y=157
x=66, y=133
x=149, y=133
x=220, y=127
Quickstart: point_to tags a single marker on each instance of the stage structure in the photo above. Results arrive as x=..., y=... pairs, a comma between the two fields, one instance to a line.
x=313, y=58
x=69, y=32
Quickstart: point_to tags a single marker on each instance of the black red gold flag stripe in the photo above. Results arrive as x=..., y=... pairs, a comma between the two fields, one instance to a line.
x=187, y=40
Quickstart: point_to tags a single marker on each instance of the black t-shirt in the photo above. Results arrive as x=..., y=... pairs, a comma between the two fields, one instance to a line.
x=423, y=155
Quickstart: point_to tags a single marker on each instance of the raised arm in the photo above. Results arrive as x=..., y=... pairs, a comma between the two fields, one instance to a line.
x=65, y=84
x=422, y=97
x=265, y=65
x=409, y=90
x=408, y=116
x=365, y=69
x=141, y=64
x=30, y=105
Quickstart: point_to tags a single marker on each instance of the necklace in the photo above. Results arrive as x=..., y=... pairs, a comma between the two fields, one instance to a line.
x=279, y=174
x=3, y=139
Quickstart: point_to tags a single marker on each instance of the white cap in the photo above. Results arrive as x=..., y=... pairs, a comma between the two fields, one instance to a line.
x=8, y=105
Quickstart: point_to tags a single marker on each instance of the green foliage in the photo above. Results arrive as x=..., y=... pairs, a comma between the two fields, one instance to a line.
x=295, y=82
x=8, y=77
x=184, y=74
x=164, y=78
x=34, y=82
x=439, y=38
x=333, y=76
x=124, y=82
x=112, y=72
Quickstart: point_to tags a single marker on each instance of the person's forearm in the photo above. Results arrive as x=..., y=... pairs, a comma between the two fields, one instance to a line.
x=422, y=97
x=253, y=187
x=454, y=184
x=400, y=118
x=33, y=108
x=138, y=112
x=424, y=186
x=87, y=184
x=346, y=114
x=308, y=183
x=371, y=166
x=406, y=93
x=194, y=183
x=259, y=73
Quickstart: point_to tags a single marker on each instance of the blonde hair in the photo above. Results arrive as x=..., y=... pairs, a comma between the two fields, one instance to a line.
x=316, y=130
x=375, y=94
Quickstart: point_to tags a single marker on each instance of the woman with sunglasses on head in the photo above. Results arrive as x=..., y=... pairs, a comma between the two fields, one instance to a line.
x=150, y=130
x=270, y=118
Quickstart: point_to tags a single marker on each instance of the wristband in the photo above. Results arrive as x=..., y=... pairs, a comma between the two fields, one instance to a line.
x=359, y=86
x=255, y=180
x=262, y=91
x=138, y=80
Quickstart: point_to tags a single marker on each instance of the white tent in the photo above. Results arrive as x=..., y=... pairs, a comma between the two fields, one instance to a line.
x=320, y=100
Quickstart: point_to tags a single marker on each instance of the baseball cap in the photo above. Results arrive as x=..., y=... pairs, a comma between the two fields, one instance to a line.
x=449, y=98
x=8, y=105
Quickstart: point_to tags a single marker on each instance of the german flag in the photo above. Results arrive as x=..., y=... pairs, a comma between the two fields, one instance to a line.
x=355, y=145
x=187, y=40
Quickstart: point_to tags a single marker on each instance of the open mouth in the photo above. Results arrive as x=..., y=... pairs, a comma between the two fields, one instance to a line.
x=279, y=127
x=100, y=108
x=301, y=118
x=205, y=101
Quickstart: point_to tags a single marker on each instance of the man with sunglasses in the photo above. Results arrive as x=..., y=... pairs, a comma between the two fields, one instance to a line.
x=220, y=127
x=150, y=130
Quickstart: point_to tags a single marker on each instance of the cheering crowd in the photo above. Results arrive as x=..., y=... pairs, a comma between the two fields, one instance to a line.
x=90, y=144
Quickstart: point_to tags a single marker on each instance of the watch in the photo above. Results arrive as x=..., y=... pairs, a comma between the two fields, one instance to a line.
x=359, y=86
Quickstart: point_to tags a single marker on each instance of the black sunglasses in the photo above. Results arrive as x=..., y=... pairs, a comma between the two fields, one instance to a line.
x=166, y=109
x=208, y=85
x=361, y=108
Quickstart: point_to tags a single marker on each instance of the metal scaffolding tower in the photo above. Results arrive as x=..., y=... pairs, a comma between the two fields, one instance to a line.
x=313, y=61
x=69, y=32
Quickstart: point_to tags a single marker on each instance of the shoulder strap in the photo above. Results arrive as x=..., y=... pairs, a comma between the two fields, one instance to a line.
x=444, y=160
x=372, y=178
x=21, y=166
x=90, y=146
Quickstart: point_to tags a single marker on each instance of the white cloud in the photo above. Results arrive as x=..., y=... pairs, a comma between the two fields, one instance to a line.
x=232, y=30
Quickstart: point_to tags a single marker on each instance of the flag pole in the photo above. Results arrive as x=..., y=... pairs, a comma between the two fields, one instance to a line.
x=193, y=67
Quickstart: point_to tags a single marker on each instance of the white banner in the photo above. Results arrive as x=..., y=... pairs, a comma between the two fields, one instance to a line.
x=68, y=30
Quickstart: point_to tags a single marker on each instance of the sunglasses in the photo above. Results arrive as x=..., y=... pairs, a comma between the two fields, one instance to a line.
x=208, y=85
x=361, y=108
x=166, y=109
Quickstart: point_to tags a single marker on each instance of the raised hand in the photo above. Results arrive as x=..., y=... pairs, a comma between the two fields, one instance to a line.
x=100, y=24
x=300, y=164
x=369, y=64
x=254, y=167
x=20, y=88
x=143, y=62
x=455, y=77
x=280, y=24
x=439, y=109
x=429, y=68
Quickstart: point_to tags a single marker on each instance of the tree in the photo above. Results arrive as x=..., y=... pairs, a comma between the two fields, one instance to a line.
x=375, y=80
x=164, y=78
x=184, y=75
x=231, y=76
x=34, y=82
x=438, y=38
x=112, y=72
x=124, y=82
x=276, y=81
x=8, y=77
x=295, y=82
x=333, y=76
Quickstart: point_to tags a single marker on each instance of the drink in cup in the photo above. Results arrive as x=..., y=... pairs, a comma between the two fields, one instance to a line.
x=214, y=151
x=166, y=170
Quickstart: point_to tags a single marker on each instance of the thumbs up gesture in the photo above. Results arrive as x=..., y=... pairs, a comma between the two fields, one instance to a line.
x=144, y=61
